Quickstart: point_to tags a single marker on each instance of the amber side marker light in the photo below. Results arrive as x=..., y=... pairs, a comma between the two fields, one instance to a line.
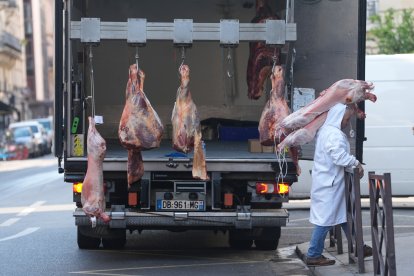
x=272, y=188
x=283, y=188
x=77, y=187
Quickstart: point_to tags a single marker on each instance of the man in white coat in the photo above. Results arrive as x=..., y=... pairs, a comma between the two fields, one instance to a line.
x=328, y=206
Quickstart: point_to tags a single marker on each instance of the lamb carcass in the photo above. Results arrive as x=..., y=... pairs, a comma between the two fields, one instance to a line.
x=261, y=56
x=304, y=135
x=140, y=127
x=275, y=110
x=346, y=91
x=186, y=126
x=92, y=197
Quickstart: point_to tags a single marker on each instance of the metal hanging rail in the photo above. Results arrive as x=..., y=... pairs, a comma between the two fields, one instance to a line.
x=273, y=32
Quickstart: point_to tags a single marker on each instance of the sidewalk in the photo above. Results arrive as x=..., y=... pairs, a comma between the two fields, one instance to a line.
x=342, y=267
x=404, y=243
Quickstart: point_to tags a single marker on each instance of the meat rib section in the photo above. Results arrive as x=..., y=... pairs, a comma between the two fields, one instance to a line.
x=186, y=127
x=92, y=197
x=261, y=56
x=140, y=127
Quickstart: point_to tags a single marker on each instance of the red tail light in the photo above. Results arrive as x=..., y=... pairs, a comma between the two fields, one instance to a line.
x=265, y=188
x=272, y=188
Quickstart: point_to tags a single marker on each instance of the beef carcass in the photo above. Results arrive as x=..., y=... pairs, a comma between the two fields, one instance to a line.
x=140, y=128
x=261, y=56
x=346, y=91
x=92, y=197
x=275, y=110
x=186, y=127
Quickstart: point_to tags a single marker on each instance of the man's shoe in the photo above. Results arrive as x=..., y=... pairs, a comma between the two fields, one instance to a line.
x=367, y=251
x=320, y=261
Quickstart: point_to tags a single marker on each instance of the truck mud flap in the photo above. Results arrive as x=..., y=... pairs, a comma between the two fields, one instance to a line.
x=193, y=220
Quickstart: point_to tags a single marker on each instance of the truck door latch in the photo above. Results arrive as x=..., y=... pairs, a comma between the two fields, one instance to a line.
x=189, y=164
x=171, y=163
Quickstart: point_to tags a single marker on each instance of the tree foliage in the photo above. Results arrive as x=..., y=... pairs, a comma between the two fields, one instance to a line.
x=393, y=31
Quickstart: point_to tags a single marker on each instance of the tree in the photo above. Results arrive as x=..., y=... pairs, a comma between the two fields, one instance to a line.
x=393, y=31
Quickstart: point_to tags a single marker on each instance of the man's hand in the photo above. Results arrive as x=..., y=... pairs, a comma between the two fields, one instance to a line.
x=360, y=170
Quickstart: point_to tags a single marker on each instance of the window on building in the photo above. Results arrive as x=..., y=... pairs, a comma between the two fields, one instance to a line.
x=372, y=7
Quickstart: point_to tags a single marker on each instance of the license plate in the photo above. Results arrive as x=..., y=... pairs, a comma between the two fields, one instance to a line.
x=196, y=205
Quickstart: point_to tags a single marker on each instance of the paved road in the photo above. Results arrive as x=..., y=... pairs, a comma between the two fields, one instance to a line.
x=38, y=237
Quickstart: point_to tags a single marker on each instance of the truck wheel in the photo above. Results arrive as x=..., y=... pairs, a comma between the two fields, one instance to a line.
x=269, y=239
x=86, y=242
x=239, y=240
x=117, y=242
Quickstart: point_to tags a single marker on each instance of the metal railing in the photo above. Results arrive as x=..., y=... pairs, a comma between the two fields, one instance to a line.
x=354, y=219
x=335, y=238
x=382, y=224
x=354, y=222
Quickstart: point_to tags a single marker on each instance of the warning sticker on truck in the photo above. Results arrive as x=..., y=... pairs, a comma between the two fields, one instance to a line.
x=77, y=145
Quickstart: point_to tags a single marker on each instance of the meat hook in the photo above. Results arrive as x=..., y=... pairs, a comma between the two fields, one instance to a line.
x=182, y=58
x=92, y=80
x=274, y=58
x=136, y=57
x=229, y=61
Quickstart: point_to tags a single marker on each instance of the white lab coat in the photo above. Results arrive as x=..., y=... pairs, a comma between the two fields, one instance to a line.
x=332, y=155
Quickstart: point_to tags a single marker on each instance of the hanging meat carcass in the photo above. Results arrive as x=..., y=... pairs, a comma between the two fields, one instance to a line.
x=140, y=127
x=346, y=91
x=186, y=127
x=261, y=56
x=275, y=110
x=92, y=197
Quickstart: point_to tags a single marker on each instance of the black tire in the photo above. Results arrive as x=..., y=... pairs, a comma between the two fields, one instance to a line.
x=117, y=242
x=86, y=242
x=269, y=239
x=240, y=240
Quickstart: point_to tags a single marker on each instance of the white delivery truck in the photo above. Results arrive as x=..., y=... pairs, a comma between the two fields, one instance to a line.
x=389, y=126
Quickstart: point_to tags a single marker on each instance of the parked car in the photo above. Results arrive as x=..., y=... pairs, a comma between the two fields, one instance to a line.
x=47, y=124
x=38, y=133
x=17, y=144
x=24, y=136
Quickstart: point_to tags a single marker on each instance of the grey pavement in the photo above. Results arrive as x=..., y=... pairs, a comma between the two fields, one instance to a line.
x=404, y=244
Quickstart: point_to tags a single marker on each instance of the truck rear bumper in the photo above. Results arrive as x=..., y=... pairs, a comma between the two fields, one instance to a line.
x=189, y=220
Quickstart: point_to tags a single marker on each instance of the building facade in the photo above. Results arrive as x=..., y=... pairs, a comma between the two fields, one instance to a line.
x=38, y=20
x=13, y=84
